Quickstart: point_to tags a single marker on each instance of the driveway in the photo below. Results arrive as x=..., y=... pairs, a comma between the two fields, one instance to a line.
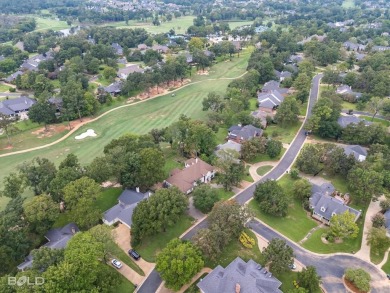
x=153, y=281
x=330, y=267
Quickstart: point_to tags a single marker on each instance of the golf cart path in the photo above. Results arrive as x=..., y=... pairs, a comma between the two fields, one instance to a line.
x=73, y=130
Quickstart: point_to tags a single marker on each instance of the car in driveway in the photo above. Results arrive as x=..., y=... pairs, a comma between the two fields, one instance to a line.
x=134, y=254
x=292, y=266
x=116, y=263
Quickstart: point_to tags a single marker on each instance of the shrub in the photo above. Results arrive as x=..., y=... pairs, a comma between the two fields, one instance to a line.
x=385, y=204
x=246, y=240
x=294, y=173
x=12, y=90
x=360, y=278
x=378, y=220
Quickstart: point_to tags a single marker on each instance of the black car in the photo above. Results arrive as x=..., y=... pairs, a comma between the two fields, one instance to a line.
x=134, y=254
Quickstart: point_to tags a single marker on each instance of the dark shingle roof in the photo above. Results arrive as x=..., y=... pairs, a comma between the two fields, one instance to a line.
x=270, y=99
x=344, y=121
x=244, y=132
x=357, y=151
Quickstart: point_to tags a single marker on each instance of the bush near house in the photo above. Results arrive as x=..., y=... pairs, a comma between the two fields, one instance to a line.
x=246, y=240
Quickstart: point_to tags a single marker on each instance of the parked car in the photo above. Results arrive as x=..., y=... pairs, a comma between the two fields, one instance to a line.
x=293, y=266
x=116, y=263
x=134, y=254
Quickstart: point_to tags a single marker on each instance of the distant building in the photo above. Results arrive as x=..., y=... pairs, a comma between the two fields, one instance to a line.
x=353, y=46
x=358, y=152
x=380, y=48
x=282, y=75
x=117, y=48
x=123, y=73
x=230, y=145
x=344, y=121
x=16, y=107
x=57, y=239
x=240, y=277
x=114, y=88
x=13, y=76
x=346, y=90
x=273, y=85
x=239, y=134
x=270, y=101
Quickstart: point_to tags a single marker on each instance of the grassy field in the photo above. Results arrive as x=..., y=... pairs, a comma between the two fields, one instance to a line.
x=179, y=25
x=154, y=244
x=348, y=106
x=4, y=88
x=348, y=4
x=296, y=214
x=125, y=286
x=377, y=120
x=48, y=23
x=386, y=266
x=263, y=170
x=141, y=118
x=247, y=176
x=284, y=134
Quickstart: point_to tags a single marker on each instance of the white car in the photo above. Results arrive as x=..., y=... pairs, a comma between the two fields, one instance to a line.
x=293, y=266
x=116, y=263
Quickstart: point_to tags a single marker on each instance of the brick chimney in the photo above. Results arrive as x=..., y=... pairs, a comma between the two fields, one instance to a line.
x=238, y=288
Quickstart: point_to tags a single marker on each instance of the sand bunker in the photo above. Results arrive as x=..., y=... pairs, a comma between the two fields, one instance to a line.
x=89, y=132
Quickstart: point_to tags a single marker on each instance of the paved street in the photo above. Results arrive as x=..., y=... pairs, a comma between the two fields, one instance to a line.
x=331, y=268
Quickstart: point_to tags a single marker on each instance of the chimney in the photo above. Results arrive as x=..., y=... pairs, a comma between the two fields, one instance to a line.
x=137, y=189
x=238, y=288
x=73, y=230
x=196, y=160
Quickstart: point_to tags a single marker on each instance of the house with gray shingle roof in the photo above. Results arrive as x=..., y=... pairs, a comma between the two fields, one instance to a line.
x=324, y=205
x=240, y=133
x=273, y=85
x=230, y=145
x=17, y=106
x=114, y=88
x=281, y=75
x=270, y=100
x=240, y=276
x=346, y=90
x=358, y=152
x=123, y=73
x=57, y=239
x=123, y=210
x=344, y=121
x=117, y=48
x=13, y=76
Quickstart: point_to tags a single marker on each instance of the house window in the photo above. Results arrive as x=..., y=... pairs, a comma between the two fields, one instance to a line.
x=323, y=209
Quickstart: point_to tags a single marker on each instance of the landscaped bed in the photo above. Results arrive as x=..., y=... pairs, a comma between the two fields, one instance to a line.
x=264, y=169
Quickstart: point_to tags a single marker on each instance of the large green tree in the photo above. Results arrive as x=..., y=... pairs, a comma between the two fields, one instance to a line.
x=81, y=188
x=309, y=159
x=41, y=211
x=42, y=112
x=359, y=277
x=178, y=262
x=365, y=183
x=288, y=112
x=205, y=197
x=278, y=255
x=343, y=226
x=309, y=279
x=44, y=257
x=271, y=198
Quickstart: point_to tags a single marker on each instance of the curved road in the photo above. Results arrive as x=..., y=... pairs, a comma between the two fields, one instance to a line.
x=330, y=268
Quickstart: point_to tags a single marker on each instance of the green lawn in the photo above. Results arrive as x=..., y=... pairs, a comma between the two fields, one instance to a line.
x=265, y=157
x=221, y=135
x=296, y=214
x=386, y=266
x=125, y=286
x=339, y=182
x=253, y=104
x=141, y=118
x=193, y=288
x=377, y=120
x=247, y=175
x=4, y=88
x=153, y=244
x=376, y=254
x=234, y=249
x=284, y=134
x=287, y=279
x=223, y=194
x=348, y=106
x=263, y=170
x=172, y=159
x=50, y=23
x=348, y=4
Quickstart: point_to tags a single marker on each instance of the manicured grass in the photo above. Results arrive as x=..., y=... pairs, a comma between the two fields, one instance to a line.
x=125, y=286
x=348, y=106
x=154, y=244
x=338, y=182
x=303, y=223
x=376, y=254
x=223, y=194
x=265, y=157
x=4, y=88
x=386, y=266
x=263, y=170
x=221, y=135
x=140, y=119
x=247, y=175
x=172, y=159
x=303, y=109
x=315, y=244
x=253, y=104
x=49, y=23
x=284, y=134
x=234, y=249
x=103, y=81
x=348, y=4
x=377, y=120
x=287, y=279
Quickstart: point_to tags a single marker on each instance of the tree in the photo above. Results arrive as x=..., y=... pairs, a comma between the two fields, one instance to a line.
x=274, y=148
x=288, y=112
x=365, y=183
x=178, y=262
x=230, y=173
x=309, y=279
x=44, y=257
x=377, y=239
x=38, y=174
x=251, y=148
x=195, y=43
x=278, y=255
x=152, y=167
x=204, y=198
x=73, y=98
x=41, y=211
x=375, y=105
x=109, y=73
x=378, y=220
x=83, y=188
x=385, y=204
x=104, y=234
x=359, y=277
x=302, y=189
x=6, y=126
x=308, y=160
x=42, y=112
x=343, y=226
x=157, y=213
x=13, y=185
x=213, y=102
x=271, y=198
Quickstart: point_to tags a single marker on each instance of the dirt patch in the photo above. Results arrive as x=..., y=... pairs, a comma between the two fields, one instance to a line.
x=57, y=128
x=203, y=72
x=351, y=287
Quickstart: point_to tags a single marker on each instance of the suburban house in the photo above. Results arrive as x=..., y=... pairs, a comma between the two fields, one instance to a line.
x=16, y=107
x=123, y=73
x=312, y=38
x=380, y=48
x=281, y=75
x=387, y=222
x=195, y=171
x=353, y=46
x=240, y=277
x=360, y=56
x=114, y=88
x=346, y=90
x=58, y=238
x=295, y=59
x=273, y=85
x=117, y=49
x=123, y=211
x=142, y=47
x=160, y=49
x=358, y=152
x=229, y=145
x=344, y=121
x=270, y=101
x=239, y=134
x=262, y=115
x=32, y=63
x=325, y=203
x=13, y=76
